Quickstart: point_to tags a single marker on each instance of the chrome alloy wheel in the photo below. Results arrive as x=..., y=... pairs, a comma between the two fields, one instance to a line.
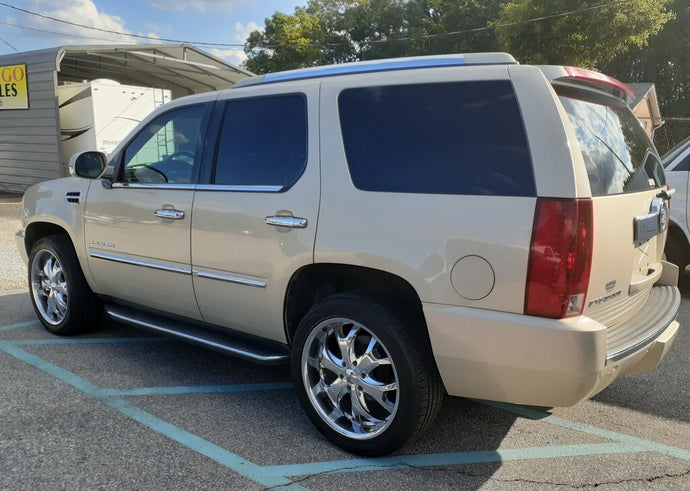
x=49, y=287
x=350, y=379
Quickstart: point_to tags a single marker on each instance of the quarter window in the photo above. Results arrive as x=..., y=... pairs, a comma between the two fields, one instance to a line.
x=263, y=142
x=165, y=151
x=443, y=138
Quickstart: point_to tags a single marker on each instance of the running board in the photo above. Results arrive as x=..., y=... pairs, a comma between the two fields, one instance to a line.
x=225, y=342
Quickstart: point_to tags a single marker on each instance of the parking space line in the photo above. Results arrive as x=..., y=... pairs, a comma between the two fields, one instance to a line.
x=196, y=389
x=649, y=445
x=450, y=459
x=280, y=475
x=39, y=342
x=195, y=443
x=19, y=325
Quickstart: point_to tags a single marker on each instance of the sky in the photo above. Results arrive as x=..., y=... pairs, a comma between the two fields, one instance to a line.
x=219, y=27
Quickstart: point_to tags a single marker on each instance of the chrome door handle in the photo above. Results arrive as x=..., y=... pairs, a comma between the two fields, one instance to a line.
x=171, y=214
x=290, y=222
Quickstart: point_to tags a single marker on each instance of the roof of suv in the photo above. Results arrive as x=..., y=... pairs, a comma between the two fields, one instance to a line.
x=391, y=64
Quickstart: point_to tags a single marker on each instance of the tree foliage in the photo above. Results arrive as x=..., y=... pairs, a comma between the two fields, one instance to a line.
x=592, y=32
x=626, y=38
x=665, y=62
x=336, y=31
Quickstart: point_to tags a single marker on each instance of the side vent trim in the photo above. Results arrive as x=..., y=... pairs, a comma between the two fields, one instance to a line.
x=73, y=197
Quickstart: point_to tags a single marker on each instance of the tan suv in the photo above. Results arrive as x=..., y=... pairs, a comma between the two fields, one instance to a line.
x=394, y=229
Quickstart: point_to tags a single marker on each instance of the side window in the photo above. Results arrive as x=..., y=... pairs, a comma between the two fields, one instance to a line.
x=165, y=151
x=684, y=165
x=263, y=142
x=441, y=138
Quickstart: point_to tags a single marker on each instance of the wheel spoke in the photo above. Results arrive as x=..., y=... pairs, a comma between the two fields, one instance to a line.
x=346, y=343
x=329, y=362
x=48, y=269
x=368, y=362
x=336, y=391
x=379, y=392
x=362, y=419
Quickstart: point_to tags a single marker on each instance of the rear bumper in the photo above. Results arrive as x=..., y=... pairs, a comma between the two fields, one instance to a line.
x=544, y=362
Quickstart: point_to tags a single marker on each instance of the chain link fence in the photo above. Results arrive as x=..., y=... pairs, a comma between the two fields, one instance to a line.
x=671, y=133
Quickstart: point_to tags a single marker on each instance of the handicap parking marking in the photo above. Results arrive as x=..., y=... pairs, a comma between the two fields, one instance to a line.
x=284, y=475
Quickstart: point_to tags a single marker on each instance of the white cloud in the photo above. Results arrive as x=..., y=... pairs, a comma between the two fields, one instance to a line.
x=200, y=5
x=234, y=56
x=242, y=32
x=82, y=12
x=237, y=55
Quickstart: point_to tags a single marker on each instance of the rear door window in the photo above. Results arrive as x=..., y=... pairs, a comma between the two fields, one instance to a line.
x=618, y=154
x=441, y=138
x=263, y=142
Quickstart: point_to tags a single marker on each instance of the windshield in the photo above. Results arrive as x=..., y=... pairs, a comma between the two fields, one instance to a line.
x=618, y=154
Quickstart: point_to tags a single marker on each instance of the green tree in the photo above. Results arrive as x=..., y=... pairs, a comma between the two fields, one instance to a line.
x=288, y=41
x=665, y=62
x=583, y=33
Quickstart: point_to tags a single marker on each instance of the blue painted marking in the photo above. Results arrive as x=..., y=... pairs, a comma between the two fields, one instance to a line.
x=201, y=389
x=648, y=445
x=449, y=459
x=274, y=476
x=228, y=459
x=19, y=325
x=365, y=67
x=59, y=341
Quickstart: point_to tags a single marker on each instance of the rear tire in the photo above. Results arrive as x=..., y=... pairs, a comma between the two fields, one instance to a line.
x=364, y=374
x=61, y=297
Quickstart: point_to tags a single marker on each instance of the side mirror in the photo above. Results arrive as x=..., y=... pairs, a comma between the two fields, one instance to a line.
x=87, y=164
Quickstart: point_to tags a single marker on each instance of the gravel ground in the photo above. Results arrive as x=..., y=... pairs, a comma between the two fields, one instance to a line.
x=13, y=271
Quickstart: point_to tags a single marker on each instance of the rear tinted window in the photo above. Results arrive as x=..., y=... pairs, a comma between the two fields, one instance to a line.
x=446, y=138
x=618, y=154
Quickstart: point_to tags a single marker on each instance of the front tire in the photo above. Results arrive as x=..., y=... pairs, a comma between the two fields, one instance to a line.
x=364, y=374
x=61, y=297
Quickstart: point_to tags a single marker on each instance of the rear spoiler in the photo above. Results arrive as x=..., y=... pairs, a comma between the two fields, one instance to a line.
x=565, y=75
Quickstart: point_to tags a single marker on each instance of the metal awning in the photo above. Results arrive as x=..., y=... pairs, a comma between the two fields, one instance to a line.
x=181, y=68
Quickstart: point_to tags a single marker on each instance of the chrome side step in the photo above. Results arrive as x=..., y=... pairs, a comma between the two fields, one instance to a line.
x=225, y=342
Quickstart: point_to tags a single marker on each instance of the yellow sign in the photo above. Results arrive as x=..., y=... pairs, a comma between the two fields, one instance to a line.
x=14, y=91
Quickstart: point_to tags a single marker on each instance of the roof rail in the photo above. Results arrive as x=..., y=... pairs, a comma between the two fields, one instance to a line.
x=381, y=66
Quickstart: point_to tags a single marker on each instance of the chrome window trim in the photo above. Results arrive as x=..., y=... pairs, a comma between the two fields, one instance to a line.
x=201, y=187
x=258, y=188
x=138, y=262
x=229, y=279
x=139, y=185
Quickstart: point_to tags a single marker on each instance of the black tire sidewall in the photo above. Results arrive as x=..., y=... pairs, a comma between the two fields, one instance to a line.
x=83, y=306
x=384, y=324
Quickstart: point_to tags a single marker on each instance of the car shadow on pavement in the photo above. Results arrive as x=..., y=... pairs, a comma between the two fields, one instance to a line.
x=664, y=391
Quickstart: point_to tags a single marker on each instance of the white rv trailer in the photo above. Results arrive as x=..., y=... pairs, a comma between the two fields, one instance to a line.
x=32, y=149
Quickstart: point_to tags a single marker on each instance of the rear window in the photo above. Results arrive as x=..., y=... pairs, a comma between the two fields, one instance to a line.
x=618, y=154
x=443, y=138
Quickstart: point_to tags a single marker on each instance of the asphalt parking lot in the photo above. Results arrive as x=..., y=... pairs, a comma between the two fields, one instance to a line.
x=122, y=409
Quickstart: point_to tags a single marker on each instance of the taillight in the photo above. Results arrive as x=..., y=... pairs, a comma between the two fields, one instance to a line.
x=560, y=258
